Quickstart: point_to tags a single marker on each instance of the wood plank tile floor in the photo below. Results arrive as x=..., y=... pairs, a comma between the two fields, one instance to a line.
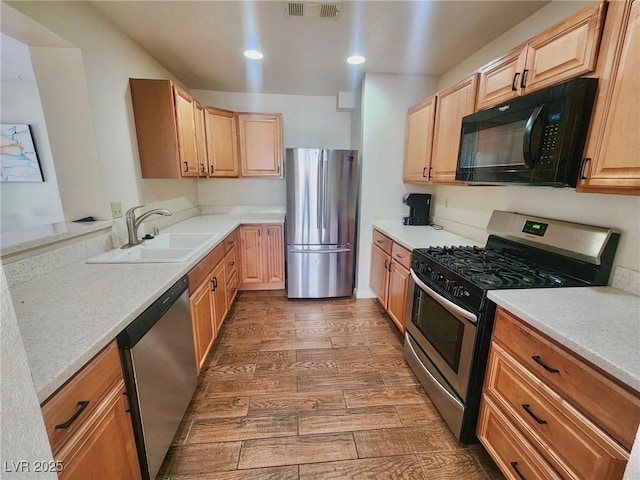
x=314, y=389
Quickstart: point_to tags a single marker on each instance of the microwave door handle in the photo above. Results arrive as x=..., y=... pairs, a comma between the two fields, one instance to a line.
x=527, y=150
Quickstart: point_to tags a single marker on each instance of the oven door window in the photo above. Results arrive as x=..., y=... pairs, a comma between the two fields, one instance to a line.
x=444, y=331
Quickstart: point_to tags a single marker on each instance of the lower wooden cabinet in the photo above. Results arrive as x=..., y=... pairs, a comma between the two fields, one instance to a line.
x=389, y=276
x=262, y=257
x=219, y=295
x=202, y=315
x=545, y=413
x=88, y=423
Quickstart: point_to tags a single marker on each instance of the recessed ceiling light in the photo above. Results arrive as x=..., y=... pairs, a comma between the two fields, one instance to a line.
x=253, y=54
x=356, y=59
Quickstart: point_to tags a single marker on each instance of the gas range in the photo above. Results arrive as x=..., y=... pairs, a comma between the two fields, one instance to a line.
x=448, y=328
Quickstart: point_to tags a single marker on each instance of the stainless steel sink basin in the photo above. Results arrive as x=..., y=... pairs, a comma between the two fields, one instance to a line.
x=165, y=248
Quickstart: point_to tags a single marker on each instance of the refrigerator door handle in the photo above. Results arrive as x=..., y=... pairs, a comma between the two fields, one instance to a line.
x=328, y=250
x=325, y=197
x=320, y=200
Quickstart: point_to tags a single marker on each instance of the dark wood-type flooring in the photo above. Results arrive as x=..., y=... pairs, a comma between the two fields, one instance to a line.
x=314, y=389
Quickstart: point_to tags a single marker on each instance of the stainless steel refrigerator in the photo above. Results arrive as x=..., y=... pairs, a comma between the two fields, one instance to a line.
x=320, y=224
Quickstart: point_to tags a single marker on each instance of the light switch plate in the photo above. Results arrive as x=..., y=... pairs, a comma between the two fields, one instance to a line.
x=116, y=209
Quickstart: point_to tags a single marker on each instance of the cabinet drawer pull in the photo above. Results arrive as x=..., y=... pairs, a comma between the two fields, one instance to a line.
x=230, y=242
x=232, y=263
x=538, y=360
x=399, y=255
x=514, y=465
x=380, y=241
x=186, y=166
x=514, y=87
x=81, y=406
x=527, y=408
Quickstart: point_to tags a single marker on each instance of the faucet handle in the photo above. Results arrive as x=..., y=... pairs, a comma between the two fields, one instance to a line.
x=131, y=213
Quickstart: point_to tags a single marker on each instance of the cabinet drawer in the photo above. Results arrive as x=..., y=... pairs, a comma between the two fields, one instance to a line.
x=401, y=255
x=606, y=402
x=577, y=447
x=89, y=385
x=231, y=241
x=515, y=456
x=382, y=241
x=198, y=273
x=230, y=262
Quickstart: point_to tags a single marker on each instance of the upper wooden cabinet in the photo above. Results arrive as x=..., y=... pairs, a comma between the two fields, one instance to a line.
x=612, y=161
x=201, y=139
x=166, y=129
x=419, y=141
x=454, y=103
x=222, y=143
x=566, y=50
x=260, y=140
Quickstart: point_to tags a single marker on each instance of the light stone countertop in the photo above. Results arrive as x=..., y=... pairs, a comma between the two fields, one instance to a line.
x=418, y=236
x=600, y=324
x=67, y=316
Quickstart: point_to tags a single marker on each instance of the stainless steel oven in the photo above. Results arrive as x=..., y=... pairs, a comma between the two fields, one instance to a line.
x=450, y=318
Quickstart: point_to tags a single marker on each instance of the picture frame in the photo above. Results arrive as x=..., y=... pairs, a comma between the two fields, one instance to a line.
x=19, y=161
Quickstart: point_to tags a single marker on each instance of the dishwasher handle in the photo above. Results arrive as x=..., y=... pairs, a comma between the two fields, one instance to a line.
x=147, y=319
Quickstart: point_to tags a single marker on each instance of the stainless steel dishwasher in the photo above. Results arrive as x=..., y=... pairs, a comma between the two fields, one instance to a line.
x=160, y=373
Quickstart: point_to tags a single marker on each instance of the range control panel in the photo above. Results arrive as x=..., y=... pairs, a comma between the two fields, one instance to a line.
x=535, y=228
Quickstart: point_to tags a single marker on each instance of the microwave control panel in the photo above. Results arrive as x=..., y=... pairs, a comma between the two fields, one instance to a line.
x=549, y=139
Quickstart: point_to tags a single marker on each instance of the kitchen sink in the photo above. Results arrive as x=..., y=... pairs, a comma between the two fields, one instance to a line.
x=164, y=248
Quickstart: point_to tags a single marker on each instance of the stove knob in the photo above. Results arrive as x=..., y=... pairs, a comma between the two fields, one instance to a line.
x=458, y=291
x=437, y=276
x=449, y=285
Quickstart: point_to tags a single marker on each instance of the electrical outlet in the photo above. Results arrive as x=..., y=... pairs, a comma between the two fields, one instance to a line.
x=116, y=209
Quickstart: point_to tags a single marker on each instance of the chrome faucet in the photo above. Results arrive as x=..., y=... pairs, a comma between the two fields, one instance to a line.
x=133, y=223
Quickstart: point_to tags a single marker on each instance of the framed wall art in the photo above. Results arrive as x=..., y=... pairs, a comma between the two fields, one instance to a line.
x=18, y=156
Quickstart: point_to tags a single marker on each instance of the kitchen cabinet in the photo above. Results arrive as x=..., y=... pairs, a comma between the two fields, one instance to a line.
x=222, y=143
x=201, y=139
x=203, y=322
x=566, y=418
x=262, y=257
x=419, y=141
x=568, y=49
x=260, y=141
x=231, y=262
x=165, y=129
x=612, y=163
x=389, y=276
x=219, y=295
x=453, y=103
x=88, y=423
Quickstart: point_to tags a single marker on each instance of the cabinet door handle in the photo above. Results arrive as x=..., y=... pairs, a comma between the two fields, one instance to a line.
x=538, y=360
x=527, y=408
x=81, y=406
x=386, y=264
x=232, y=263
x=211, y=169
x=186, y=166
x=213, y=286
x=430, y=168
x=399, y=255
x=582, y=168
x=514, y=465
x=524, y=77
x=514, y=87
x=229, y=242
x=424, y=172
x=202, y=170
x=215, y=282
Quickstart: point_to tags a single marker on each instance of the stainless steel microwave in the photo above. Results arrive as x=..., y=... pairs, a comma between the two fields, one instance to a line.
x=536, y=139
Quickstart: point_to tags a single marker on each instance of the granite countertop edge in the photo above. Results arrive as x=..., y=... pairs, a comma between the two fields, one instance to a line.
x=61, y=336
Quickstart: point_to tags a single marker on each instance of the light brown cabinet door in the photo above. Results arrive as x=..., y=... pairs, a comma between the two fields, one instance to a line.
x=252, y=254
x=500, y=80
x=219, y=294
x=419, y=141
x=201, y=139
x=454, y=103
x=274, y=255
x=379, y=275
x=222, y=143
x=260, y=139
x=397, y=294
x=104, y=446
x=202, y=320
x=567, y=50
x=612, y=153
x=186, y=127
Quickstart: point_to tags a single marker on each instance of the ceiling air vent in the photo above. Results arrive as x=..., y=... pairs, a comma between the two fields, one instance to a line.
x=312, y=9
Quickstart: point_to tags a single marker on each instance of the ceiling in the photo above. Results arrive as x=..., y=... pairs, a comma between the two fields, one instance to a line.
x=201, y=42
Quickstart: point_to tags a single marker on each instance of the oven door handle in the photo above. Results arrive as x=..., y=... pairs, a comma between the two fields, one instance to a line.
x=452, y=307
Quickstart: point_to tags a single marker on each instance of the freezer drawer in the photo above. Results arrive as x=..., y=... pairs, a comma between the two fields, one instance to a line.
x=319, y=271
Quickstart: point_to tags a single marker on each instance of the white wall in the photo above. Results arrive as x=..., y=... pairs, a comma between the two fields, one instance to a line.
x=469, y=208
x=308, y=121
x=385, y=100
x=25, y=205
x=110, y=59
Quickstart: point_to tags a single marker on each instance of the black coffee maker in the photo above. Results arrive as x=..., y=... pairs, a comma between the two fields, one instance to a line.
x=420, y=205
